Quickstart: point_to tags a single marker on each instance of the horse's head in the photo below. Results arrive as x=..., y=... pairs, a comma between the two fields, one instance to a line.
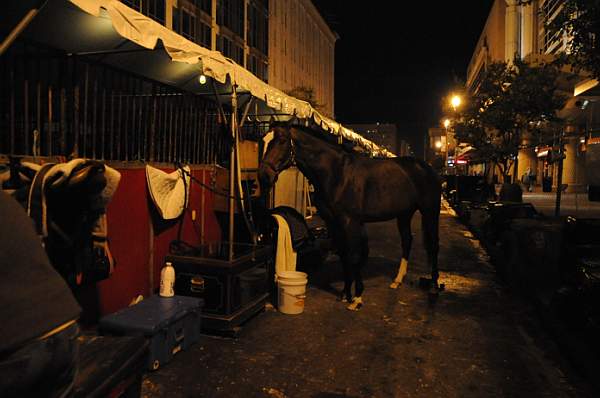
x=278, y=157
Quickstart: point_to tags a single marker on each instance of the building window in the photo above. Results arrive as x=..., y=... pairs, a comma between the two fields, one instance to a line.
x=551, y=43
x=230, y=13
x=204, y=32
x=204, y=5
x=135, y=4
x=258, y=26
x=230, y=49
x=184, y=23
x=154, y=9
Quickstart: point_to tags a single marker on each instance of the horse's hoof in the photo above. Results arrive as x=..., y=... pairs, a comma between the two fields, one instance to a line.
x=356, y=304
x=395, y=285
x=343, y=299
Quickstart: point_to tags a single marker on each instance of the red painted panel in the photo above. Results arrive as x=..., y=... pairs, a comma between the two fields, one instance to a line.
x=129, y=239
x=130, y=214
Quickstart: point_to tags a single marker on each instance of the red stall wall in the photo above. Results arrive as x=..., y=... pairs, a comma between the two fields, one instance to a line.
x=139, y=239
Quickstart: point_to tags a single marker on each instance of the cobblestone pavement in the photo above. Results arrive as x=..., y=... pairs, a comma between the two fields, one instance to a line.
x=476, y=340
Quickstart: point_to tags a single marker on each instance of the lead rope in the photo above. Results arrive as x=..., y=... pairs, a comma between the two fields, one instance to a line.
x=249, y=222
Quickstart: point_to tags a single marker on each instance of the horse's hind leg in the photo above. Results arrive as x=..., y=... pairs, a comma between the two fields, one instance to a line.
x=356, y=268
x=406, y=236
x=352, y=258
x=430, y=223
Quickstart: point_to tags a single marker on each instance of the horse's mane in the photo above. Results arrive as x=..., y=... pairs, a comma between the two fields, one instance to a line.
x=322, y=135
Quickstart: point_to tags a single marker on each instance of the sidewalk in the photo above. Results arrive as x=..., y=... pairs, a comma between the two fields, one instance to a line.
x=476, y=340
x=572, y=204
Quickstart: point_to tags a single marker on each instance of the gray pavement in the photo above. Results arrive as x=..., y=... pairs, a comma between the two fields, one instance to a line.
x=572, y=204
x=476, y=340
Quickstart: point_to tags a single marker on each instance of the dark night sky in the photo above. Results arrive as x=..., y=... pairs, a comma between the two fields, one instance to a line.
x=395, y=63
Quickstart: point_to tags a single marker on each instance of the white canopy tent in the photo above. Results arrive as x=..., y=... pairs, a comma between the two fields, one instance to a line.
x=127, y=39
x=109, y=32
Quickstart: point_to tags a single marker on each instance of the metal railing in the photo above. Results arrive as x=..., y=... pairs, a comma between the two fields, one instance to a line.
x=52, y=104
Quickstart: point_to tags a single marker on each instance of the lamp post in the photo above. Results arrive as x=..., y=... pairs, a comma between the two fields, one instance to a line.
x=455, y=102
x=446, y=125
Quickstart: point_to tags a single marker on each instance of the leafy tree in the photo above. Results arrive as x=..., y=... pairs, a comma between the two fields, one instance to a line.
x=580, y=21
x=305, y=94
x=511, y=99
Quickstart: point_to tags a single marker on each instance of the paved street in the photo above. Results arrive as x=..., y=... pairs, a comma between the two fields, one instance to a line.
x=477, y=340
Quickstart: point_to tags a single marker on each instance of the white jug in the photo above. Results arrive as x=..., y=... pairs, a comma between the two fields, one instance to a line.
x=167, y=280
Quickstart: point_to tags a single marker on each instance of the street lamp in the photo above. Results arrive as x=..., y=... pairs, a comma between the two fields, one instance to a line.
x=455, y=102
x=446, y=125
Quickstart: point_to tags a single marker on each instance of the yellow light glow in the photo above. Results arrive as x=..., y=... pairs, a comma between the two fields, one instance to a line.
x=447, y=123
x=202, y=79
x=438, y=144
x=455, y=101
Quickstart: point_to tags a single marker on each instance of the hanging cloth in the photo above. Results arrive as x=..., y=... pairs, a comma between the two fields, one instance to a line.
x=169, y=191
x=285, y=259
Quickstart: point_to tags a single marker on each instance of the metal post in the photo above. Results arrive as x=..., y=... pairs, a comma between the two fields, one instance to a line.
x=559, y=176
x=232, y=170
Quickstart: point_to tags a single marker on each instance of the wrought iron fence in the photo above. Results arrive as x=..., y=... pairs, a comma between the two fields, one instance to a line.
x=52, y=104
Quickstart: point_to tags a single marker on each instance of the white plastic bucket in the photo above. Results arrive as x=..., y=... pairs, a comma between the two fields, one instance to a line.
x=291, y=275
x=292, y=292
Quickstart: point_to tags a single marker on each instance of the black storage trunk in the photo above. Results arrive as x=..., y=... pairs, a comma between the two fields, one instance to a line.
x=171, y=324
x=233, y=290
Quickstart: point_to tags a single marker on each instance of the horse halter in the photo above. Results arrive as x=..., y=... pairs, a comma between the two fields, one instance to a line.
x=292, y=159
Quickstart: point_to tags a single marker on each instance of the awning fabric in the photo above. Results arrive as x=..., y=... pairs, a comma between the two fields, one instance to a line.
x=471, y=154
x=543, y=152
x=191, y=59
x=461, y=152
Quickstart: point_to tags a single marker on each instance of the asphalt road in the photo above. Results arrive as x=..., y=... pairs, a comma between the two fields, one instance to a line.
x=476, y=340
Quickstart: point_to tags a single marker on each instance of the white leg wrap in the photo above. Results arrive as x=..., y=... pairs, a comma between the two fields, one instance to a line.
x=356, y=304
x=402, y=270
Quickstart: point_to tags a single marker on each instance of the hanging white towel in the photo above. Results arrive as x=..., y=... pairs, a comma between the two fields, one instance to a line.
x=285, y=259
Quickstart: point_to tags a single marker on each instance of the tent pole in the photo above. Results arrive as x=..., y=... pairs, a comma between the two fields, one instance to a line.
x=23, y=23
x=232, y=170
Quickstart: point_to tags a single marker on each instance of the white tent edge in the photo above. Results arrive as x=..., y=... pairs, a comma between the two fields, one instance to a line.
x=146, y=33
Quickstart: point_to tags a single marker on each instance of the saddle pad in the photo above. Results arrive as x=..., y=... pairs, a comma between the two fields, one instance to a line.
x=169, y=191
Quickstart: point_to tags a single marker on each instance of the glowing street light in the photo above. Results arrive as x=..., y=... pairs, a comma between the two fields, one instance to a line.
x=446, y=123
x=455, y=101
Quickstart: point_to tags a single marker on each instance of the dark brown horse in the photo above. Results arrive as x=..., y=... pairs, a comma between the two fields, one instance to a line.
x=352, y=189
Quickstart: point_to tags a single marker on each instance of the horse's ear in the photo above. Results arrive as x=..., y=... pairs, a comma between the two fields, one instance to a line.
x=282, y=130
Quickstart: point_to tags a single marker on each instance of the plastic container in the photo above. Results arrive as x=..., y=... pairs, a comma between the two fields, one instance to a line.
x=292, y=292
x=291, y=275
x=167, y=280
